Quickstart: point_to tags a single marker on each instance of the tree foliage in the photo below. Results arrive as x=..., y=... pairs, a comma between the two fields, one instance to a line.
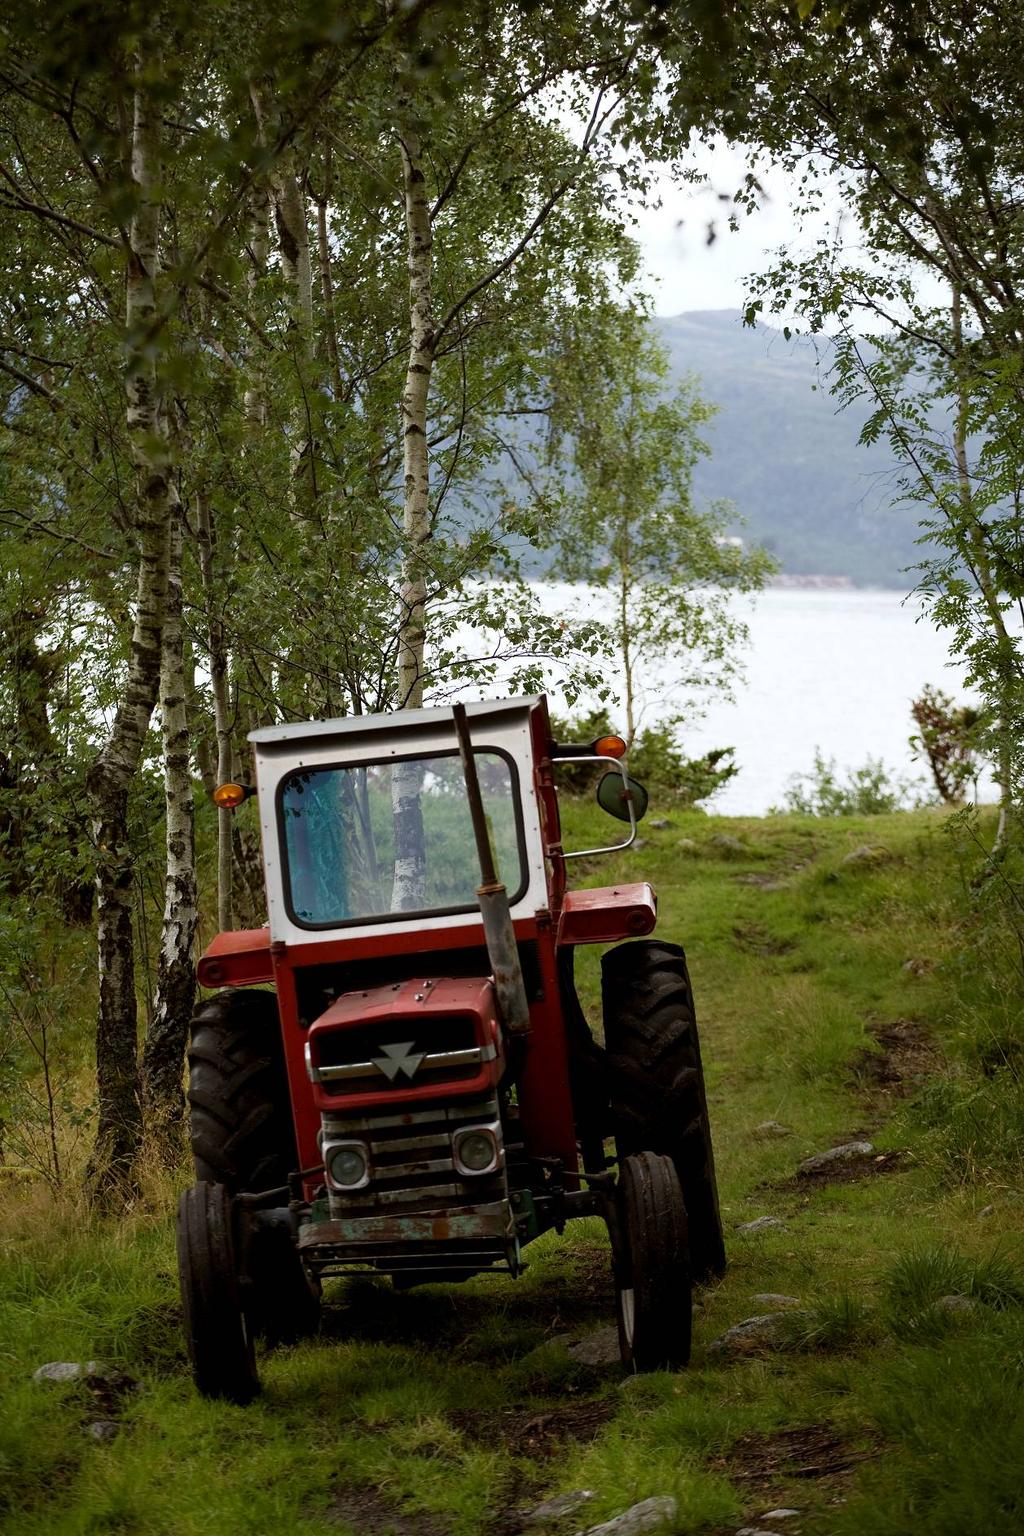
x=628, y=526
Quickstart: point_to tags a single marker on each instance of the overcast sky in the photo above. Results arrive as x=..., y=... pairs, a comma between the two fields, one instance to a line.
x=687, y=273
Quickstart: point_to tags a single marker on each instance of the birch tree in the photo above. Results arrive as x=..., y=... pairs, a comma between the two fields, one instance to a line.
x=630, y=527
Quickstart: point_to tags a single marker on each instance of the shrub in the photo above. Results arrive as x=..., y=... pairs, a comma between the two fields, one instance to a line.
x=949, y=738
x=867, y=791
x=655, y=758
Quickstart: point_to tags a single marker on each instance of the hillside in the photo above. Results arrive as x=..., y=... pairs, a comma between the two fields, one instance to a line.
x=804, y=485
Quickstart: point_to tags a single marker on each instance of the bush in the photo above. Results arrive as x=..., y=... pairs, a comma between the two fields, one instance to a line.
x=867, y=791
x=950, y=739
x=655, y=758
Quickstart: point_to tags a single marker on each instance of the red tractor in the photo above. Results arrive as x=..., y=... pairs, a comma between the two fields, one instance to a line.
x=420, y=1095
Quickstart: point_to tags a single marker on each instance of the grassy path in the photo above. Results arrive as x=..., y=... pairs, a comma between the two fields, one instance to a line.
x=830, y=1009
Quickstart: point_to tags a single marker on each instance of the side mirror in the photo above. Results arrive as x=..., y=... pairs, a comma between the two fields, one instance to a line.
x=612, y=792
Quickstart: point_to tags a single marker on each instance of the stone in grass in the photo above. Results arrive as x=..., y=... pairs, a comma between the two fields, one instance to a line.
x=762, y=1224
x=773, y=1299
x=649, y=1515
x=728, y=847
x=780, y=1514
x=768, y=1330
x=957, y=1304
x=771, y=1128
x=558, y=1506
x=104, y=1430
x=688, y=845
x=847, y=1153
x=599, y=1348
x=754, y=1530
x=659, y=823
x=68, y=1370
x=868, y=856
x=95, y=1373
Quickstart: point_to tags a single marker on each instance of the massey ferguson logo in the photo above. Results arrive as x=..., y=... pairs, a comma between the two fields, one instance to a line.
x=399, y=1058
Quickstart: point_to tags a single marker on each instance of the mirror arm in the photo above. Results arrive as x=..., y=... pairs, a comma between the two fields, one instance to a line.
x=627, y=795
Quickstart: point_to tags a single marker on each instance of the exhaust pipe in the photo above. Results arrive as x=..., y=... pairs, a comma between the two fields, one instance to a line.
x=493, y=899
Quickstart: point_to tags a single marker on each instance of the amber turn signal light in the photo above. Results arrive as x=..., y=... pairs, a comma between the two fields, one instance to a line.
x=610, y=746
x=228, y=796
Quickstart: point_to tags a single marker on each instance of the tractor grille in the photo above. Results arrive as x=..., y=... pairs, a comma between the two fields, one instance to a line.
x=390, y=1058
x=412, y=1165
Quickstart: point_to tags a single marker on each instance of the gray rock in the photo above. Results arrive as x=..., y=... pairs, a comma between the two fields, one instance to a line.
x=762, y=1224
x=639, y=842
x=957, y=1303
x=773, y=1299
x=104, y=1430
x=771, y=1128
x=599, y=1348
x=99, y=1376
x=558, y=1506
x=849, y=1152
x=660, y=823
x=648, y=1515
x=688, y=845
x=781, y=1514
x=918, y=967
x=729, y=847
x=765, y=1331
x=69, y=1370
x=988, y=1210
x=868, y=856
x=754, y=1530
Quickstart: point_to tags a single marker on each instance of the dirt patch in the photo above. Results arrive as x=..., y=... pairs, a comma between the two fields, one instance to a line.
x=370, y=1513
x=533, y=1433
x=905, y=1057
x=850, y=1171
x=755, y=940
x=758, y=1461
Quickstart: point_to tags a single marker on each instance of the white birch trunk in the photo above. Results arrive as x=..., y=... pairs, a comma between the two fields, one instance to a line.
x=119, y=1127
x=164, y=1052
x=410, y=859
x=218, y=652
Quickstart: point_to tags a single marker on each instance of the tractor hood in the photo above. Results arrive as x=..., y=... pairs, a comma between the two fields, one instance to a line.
x=399, y=1044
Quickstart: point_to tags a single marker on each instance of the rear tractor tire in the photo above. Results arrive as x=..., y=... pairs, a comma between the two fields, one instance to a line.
x=653, y=1292
x=658, y=1101
x=239, y=1109
x=243, y=1139
x=217, y=1328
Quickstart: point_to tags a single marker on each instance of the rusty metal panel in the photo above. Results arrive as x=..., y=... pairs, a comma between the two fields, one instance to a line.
x=468, y=1222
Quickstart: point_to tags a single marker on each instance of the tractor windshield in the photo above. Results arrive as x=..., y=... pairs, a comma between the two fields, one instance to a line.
x=372, y=841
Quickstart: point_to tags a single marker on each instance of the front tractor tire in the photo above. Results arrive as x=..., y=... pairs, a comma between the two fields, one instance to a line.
x=217, y=1328
x=658, y=1102
x=650, y=1256
x=244, y=1141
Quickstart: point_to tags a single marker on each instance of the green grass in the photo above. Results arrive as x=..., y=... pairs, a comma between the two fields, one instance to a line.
x=424, y=1401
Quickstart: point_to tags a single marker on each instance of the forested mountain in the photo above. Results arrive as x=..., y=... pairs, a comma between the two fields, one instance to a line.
x=788, y=458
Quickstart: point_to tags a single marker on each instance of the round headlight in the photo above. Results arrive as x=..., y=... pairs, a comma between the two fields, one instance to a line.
x=348, y=1166
x=476, y=1151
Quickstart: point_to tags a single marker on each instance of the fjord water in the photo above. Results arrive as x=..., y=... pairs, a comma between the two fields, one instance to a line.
x=834, y=669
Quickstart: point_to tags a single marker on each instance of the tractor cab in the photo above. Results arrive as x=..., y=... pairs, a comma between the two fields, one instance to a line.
x=422, y=1092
